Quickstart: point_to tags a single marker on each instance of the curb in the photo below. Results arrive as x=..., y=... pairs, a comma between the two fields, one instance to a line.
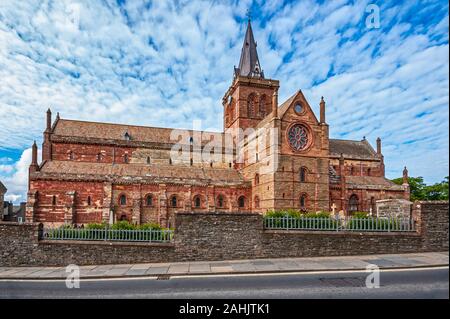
x=224, y=273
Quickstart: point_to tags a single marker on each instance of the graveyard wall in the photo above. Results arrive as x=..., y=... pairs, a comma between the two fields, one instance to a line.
x=222, y=236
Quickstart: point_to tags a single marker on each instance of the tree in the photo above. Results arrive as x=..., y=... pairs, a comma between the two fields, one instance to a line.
x=416, y=187
x=420, y=191
x=438, y=191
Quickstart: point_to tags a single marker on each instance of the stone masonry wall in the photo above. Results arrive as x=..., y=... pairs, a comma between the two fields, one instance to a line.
x=222, y=236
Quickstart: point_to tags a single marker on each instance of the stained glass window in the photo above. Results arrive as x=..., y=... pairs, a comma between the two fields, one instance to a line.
x=298, y=137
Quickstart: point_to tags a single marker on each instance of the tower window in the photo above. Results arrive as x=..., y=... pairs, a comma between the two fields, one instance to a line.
x=220, y=201
x=173, y=201
x=149, y=200
x=303, y=174
x=89, y=200
x=256, y=179
x=148, y=160
x=99, y=157
x=70, y=156
x=241, y=202
x=197, y=202
x=54, y=200
x=303, y=201
x=353, y=203
x=122, y=200
x=125, y=158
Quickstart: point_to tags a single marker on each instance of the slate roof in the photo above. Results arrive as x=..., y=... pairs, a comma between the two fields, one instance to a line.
x=110, y=131
x=160, y=173
x=249, y=62
x=372, y=182
x=352, y=149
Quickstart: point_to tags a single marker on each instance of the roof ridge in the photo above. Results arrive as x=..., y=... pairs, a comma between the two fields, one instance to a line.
x=133, y=125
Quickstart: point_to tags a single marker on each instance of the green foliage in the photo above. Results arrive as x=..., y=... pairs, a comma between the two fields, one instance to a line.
x=373, y=224
x=421, y=191
x=149, y=226
x=360, y=215
x=123, y=225
x=95, y=226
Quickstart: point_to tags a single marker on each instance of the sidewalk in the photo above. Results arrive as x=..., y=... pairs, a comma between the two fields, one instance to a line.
x=391, y=261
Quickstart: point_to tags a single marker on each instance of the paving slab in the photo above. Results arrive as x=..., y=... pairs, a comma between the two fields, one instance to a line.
x=199, y=268
x=136, y=272
x=157, y=270
x=178, y=269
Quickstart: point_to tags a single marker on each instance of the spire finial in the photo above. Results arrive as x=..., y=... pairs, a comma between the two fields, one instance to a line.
x=248, y=14
x=249, y=65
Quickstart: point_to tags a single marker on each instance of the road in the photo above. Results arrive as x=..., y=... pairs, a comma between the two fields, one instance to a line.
x=412, y=283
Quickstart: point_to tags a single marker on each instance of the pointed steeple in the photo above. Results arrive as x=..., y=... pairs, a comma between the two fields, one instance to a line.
x=249, y=63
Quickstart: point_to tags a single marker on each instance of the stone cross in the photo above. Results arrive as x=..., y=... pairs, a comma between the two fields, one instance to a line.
x=333, y=207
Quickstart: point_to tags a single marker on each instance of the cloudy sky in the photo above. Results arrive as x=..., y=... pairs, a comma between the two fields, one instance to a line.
x=165, y=63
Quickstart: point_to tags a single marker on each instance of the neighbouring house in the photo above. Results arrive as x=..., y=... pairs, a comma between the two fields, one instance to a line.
x=280, y=156
x=14, y=213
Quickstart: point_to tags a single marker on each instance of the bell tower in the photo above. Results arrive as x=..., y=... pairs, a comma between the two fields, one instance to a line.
x=251, y=97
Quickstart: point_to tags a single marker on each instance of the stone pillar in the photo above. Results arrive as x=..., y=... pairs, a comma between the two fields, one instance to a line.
x=188, y=200
x=342, y=181
x=275, y=103
x=163, y=216
x=46, y=145
x=69, y=213
x=322, y=111
x=108, y=206
x=32, y=202
x=210, y=198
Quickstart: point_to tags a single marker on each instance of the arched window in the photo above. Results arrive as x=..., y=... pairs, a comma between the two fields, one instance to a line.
x=197, y=201
x=70, y=156
x=303, y=173
x=122, y=200
x=173, y=201
x=148, y=160
x=192, y=161
x=54, y=200
x=262, y=106
x=251, y=105
x=149, y=200
x=303, y=201
x=256, y=202
x=368, y=171
x=99, y=157
x=125, y=158
x=241, y=202
x=353, y=203
x=220, y=201
x=123, y=217
x=89, y=200
x=256, y=179
x=352, y=170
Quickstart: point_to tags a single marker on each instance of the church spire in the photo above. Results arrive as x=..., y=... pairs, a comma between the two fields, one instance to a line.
x=249, y=63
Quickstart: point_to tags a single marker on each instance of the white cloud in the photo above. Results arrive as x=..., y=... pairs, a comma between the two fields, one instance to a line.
x=166, y=63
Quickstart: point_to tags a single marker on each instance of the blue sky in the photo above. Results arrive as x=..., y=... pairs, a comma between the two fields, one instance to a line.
x=165, y=63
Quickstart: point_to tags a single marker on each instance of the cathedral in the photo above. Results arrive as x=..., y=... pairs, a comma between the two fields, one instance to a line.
x=270, y=156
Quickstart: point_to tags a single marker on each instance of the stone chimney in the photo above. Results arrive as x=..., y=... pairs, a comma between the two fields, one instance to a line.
x=275, y=103
x=322, y=111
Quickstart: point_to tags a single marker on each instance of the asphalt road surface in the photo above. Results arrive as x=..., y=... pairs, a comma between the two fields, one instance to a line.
x=413, y=283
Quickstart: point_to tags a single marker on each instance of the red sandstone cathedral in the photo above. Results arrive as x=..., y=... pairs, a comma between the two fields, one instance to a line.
x=94, y=172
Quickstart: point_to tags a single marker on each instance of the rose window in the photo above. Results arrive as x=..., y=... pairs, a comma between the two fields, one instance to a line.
x=298, y=137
